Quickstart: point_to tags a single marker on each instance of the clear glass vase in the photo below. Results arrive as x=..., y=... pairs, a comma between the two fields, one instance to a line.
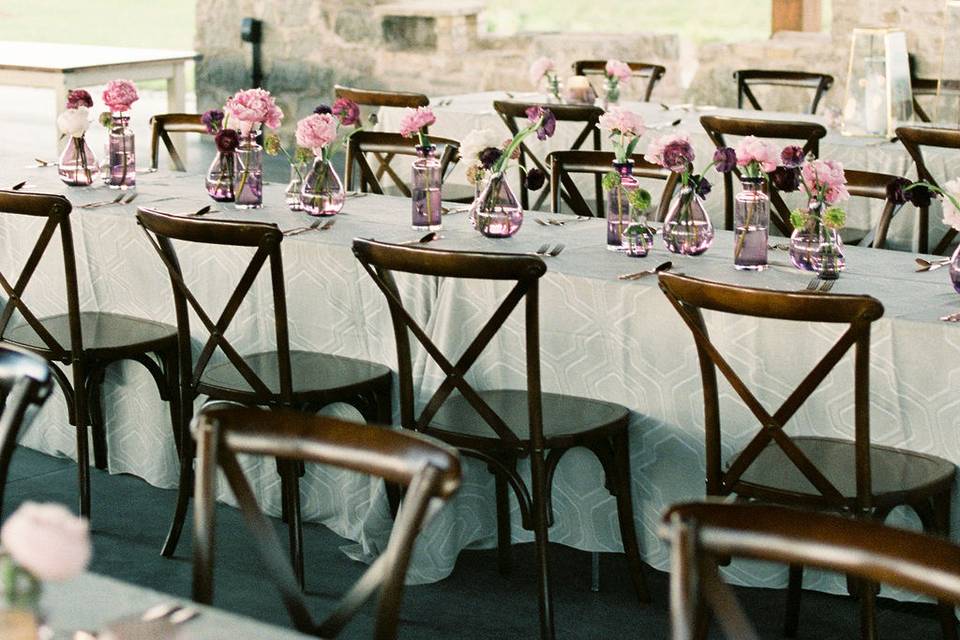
x=496, y=212
x=425, y=192
x=292, y=194
x=828, y=260
x=751, y=217
x=955, y=270
x=77, y=165
x=618, y=205
x=611, y=92
x=122, y=157
x=638, y=239
x=248, y=175
x=813, y=247
x=687, y=229
x=322, y=193
x=220, y=177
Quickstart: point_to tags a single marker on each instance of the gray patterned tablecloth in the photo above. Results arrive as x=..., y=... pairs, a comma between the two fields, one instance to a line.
x=601, y=337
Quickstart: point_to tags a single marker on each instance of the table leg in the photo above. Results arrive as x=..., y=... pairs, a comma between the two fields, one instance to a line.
x=59, y=104
x=176, y=103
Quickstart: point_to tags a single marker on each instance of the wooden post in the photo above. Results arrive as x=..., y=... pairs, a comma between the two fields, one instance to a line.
x=795, y=15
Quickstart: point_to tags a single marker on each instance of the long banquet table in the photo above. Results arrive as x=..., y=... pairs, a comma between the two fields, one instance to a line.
x=601, y=338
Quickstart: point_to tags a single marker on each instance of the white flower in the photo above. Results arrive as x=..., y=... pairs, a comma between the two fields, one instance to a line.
x=47, y=540
x=476, y=141
x=74, y=122
x=951, y=215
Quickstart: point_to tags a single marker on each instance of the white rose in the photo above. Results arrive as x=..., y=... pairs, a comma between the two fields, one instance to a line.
x=47, y=540
x=74, y=122
x=951, y=215
x=476, y=141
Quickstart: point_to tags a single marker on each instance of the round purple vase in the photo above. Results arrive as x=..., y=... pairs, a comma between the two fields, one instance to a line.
x=425, y=192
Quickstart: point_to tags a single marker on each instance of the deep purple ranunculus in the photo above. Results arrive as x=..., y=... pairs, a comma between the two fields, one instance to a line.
x=212, y=119
x=322, y=109
x=79, y=98
x=791, y=156
x=786, y=179
x=895, y=191
x=701, y=186
x=489, y=156
x=548, y=121
x=678, y=155
x=227, y=140
x=724, y=159
x=919, y=196
x=535, y=179
x=347, y=111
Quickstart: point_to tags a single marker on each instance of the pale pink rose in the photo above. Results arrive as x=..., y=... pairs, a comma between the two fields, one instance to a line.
x=681, y=151
x=540, y=68
x=47, y=540
x=623, y=121
x=753, y=149
x=251, y=107
x=414, y=120
x=825, y=176
x=119, y=95
x=617, y=69
x=316, y=131
x=951, y=214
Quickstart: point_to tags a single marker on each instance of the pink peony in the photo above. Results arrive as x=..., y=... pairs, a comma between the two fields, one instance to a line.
x=680, y=152
x=617, y=69
x=415, y=120
x=251, y=107
x=622, y=121
x=79, y=98
x=119, y=95
x=316, y=131
x=47, y=540
x=753, y=149
x=826, y=177
x=540, y=68
x=347, y=110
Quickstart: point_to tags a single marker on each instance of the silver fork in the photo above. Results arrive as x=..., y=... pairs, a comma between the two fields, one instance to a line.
x=813, y=284
x=953, y=317
x=826, y=286
x=556, y=250
x=543, y=249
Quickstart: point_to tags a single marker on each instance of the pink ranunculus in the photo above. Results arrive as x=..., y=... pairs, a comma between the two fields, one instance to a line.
x=414, y=120
x=347, y=111
x=540, y=68
x=79, y=98
x=753, y=149
x=119, y=95
x=826, y=176
x=251, y=107
x=617, y=69
x=316, y=131
x=681, y=151
x=623, y=121
x=47, y=540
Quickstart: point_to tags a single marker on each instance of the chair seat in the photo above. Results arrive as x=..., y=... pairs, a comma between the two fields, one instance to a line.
x=899, y=476
x=106, y=334
x=567, y=420
x=314, y=375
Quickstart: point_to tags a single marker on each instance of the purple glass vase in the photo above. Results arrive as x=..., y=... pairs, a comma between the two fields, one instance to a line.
x=220, y=176
x=955, y=270
x=425, y=194
x=813, y=247
x=77, y=165
x=638, y=239
x=496, y=213
x=248, y=176
x=618, y=205
x=687, y=229
x=122, y=158
x=322, y=192
x=751, y=217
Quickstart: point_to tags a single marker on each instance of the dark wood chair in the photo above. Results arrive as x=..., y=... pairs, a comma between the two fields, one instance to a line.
x=304, y=380
x=162, y=125
x=589, y=116
x=565, y=164
x=926, y=87
x=373, y=98
x=748, y=78
x=503, y=426
x=651, y=73
x=914, y=139
x=24, y=385
x=429, y=470
x=700, y=534
x=371, y=153
x=868, y=184
x=853, y=477
x=85, y=341
x=807, y=134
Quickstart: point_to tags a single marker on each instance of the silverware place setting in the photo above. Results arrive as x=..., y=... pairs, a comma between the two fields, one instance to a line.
x=953, y=317
x=165, y=614
x=314, y=226
x=663, y=266
x=819, y=284
x=424, y=239
x=449, y=212
x=41, y=164
x=548, y=251
x=121, y=198
x=778, y=247
x=557, y=222
x=927, y=265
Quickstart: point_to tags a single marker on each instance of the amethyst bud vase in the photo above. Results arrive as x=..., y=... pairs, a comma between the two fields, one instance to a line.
x=122, y=158
x=248, y=173
x=619, y=186
x=687, y=229
x=496, y=212
x=222, y=172
x=751, y=217
x=322, y=193
x=955, y=270
x=426, y=189
x=77, y=165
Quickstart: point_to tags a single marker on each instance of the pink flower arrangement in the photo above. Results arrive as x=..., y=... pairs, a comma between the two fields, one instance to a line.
x=317, y=131
x=47, y=540
x=825, y=178
x=623, y=122
x=617, y=69
x=416, y=120
x=347, y=110
x=119, y=95
x=251, y=107
x=672, y=151
x=757, y=155
x=540, y=68
x=79, y=98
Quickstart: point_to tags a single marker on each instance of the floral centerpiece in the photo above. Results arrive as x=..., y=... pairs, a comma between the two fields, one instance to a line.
x=247, y=111
x=119, y=95
x=545, y=68
x=221, y=174
x=615, y=72
x=751, y=207
x=471, y=149
x=425, y=192
x=921, y=194
x=495, y=212
x=624, y=129
x=322, y=192
x=77, y=165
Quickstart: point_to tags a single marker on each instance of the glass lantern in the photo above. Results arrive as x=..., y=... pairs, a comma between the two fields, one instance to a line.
x=878, y=96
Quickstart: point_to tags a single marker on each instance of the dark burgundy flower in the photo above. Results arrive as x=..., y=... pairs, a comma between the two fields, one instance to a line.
x=919, y=196
x=79, y=98
x=212, y=120
x=786, y=179
x=677, y=155
x=347, y=111
x=724, y=159
x=227, y=140
x=548, y=121
x=792, y=156
x=322, y=109
x=489, y=157
x=535, y=179
x=701, y=186
x=895, y=191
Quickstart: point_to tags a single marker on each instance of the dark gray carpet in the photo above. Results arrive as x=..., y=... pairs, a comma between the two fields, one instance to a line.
x=130, y=519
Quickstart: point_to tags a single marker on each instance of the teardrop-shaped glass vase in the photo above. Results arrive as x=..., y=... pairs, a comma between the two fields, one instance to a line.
x=496, y=213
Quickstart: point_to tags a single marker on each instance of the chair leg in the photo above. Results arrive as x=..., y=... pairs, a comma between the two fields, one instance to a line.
x=290, y=487
x=868, y=611
x=542, y=543
x=504, y=537
x=184, y=489
x=628, y=531
x=94, y=392
x=794, y=588
x=80, y=417
x=941, y=512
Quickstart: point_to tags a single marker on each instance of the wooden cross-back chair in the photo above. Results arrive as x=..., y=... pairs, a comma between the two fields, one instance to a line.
x=374, y=98
x=702, y=534
x=162, y=125
x=282, y=377
x=429, y=470
x=503, y=426
x=651, y=73
x=25, y=384
x=588, y=115
x=914, y=139
x=565, y=164
x=370, y=154
x=808, y=134
x=868, y=184
x=853, y=477
x=927, y=87
x=747, y=78
x=85, y=341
